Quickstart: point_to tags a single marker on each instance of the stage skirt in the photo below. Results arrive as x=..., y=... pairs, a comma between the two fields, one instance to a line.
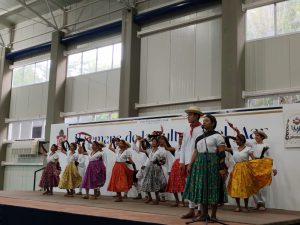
x=95, y=175
x=176, y=180
x=121, y=178
x=197, y=186
x=154, y=179
x=247, y=178
x=50, y=176
x=71, y=178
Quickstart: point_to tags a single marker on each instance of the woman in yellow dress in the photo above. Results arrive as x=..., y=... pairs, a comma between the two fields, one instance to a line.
x=71, y=178
x=247, y=177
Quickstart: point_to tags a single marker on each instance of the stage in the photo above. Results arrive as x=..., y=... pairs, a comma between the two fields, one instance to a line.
x=35, y=208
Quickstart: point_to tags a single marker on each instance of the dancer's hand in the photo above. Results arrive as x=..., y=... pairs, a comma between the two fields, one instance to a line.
x=188, y=169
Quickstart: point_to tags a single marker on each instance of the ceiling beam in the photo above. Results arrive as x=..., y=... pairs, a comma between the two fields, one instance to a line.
x=51, y=13
x=13, y=9
x=37, y=14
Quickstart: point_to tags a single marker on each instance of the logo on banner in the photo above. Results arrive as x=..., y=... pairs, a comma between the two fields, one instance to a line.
x=293, y=128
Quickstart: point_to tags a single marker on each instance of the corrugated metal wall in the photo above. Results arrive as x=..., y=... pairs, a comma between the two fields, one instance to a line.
x=93, y=91
x=273, y=63
x=29, y=101
x=181, y=64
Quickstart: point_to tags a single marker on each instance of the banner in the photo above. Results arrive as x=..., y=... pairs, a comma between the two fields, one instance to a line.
x=291, y=114
x=270, y=121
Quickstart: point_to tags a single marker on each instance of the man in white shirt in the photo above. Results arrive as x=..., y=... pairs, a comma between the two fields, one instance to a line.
x=188, y=145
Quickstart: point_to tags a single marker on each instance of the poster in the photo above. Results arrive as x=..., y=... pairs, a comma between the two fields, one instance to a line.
x=291, y=114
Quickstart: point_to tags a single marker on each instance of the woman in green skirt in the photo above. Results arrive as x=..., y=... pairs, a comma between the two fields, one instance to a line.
x=207, y=170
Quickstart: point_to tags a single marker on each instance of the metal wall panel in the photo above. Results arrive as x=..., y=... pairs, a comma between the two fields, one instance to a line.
x=273, y=63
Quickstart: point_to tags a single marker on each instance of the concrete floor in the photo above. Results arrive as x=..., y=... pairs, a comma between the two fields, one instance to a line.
x=137, y=210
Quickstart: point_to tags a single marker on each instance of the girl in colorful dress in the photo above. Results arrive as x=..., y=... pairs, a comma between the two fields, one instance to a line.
x=164, y=145
x=95, y=175
x=154, y=180
x=71, y=178
x=177, y=179
x=260, y=151
x=50, y=176
x=206, y=170
x=122, y=173
x=247, y=177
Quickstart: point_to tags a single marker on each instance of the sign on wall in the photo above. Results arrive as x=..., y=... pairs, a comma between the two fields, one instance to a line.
x=292, y=125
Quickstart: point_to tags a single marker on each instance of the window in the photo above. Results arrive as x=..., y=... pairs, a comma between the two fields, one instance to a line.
x=260, y=22
x=104, y=61
x=274, y=19
x=74, y=64
x=31, y=74
x=101, y=59
x=41, y=72
x=288, y=16
x=70, y=120
x=274, y=100
x=102, y=116
x=26, y=129
x=114, y=116
x=18, y=76
x=117, y=54
x=106, y=116
x=14, y=131
x=89, y=61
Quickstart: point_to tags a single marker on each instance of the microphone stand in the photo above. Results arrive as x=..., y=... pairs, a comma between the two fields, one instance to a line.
x=207, y=217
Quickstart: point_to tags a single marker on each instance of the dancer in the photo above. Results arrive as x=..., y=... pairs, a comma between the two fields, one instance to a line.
x=154, y=180
x=50, y=176
x=122, y=174
x=206, y=170
x=247, y=177
x=261, y=150
x=71, y=178
x=164, y=145
x=187, y=148
x=139, y=160
x=95, y=175
x=176, y=180
x=82, y=161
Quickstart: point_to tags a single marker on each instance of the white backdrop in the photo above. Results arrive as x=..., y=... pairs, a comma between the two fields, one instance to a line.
x=284, y=190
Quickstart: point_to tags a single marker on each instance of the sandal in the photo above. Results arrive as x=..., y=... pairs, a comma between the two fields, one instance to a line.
x=156, y=202
x=86, y=197
x=237, y=210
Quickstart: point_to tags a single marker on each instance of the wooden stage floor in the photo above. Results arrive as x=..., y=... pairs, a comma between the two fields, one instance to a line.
x=136, y=210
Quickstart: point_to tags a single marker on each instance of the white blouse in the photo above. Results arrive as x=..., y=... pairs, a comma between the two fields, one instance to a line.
x=73, y=157
x=159, y=154
x=52, y=157
x=124, y=157
x=81, y=161
x=212, y=141
x=257, y=148
x=241, y=156
x=96, y=156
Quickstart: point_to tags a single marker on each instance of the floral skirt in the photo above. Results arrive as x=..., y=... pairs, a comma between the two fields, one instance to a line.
x=50, y=176
x=197, y=189
x=121, y=178
x=176, y=180
x=71, y=178
x=95, y=175
x=154, y=179
x=247, y=178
